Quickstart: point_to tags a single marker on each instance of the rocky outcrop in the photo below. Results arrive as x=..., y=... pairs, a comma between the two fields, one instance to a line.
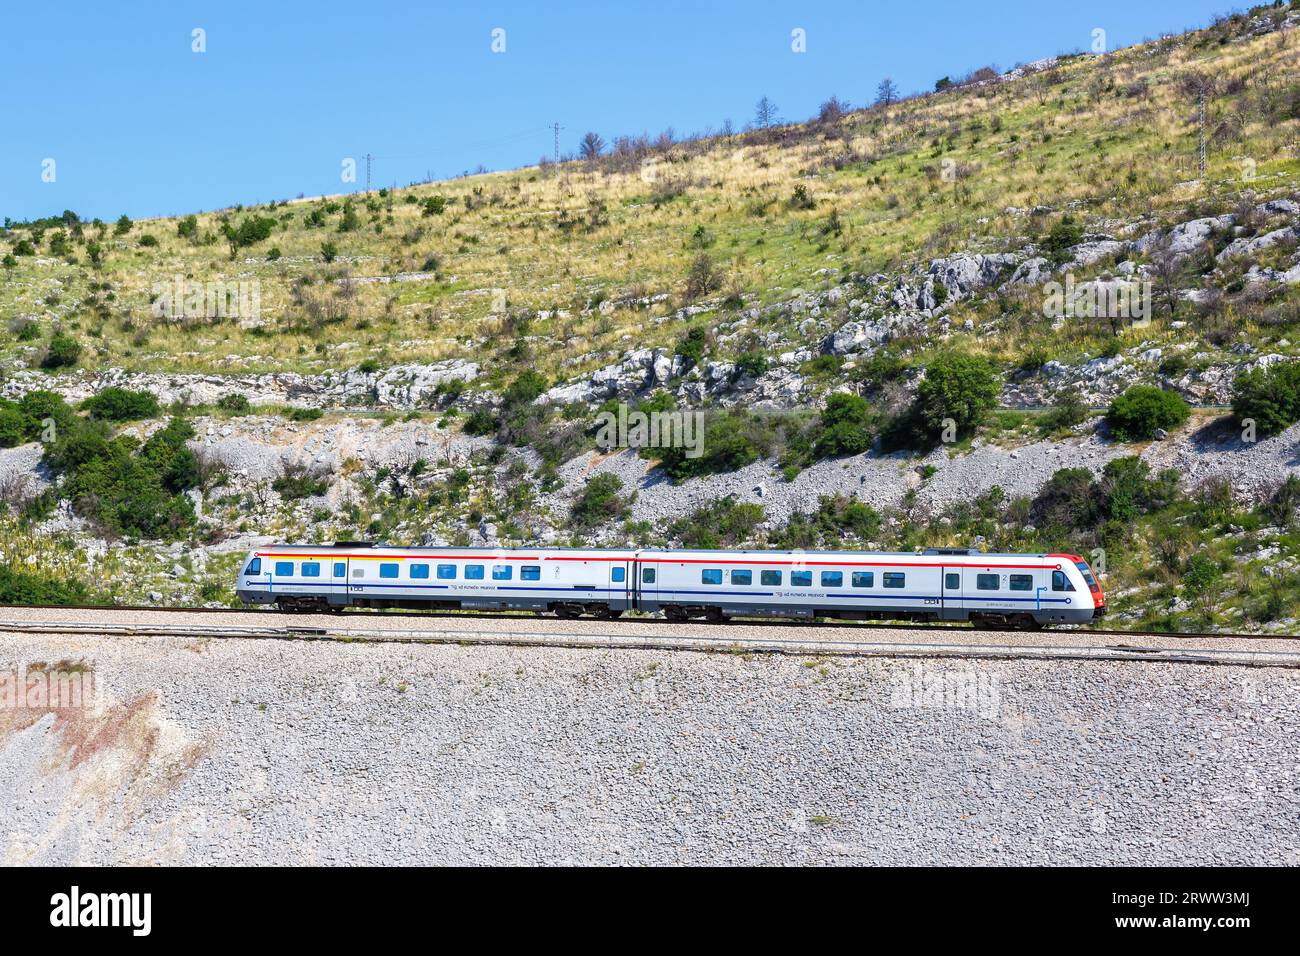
x=400, y=386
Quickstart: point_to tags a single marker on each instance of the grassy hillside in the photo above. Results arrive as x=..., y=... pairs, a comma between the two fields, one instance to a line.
x=562, y=267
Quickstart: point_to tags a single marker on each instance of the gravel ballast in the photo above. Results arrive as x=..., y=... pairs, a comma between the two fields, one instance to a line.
x=211, y=751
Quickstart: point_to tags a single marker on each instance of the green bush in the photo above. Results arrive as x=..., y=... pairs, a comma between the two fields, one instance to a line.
x=127, y=488
x=956, y=386
x=1064, y=234
x=13, y=425
x=731, y=440
x=63, y=352
x=723, y=523
x=845, y=427
x=600, y=501
x=838, y=518
x=305, y=414
x=234, y=403
x=480, y=422
x=1143, y=410
x=115, y=404
x=1270, y=396
x=691, y=348
x=21, y=587
x=299, y=482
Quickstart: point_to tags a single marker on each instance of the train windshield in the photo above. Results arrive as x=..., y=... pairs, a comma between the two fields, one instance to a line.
x=1087, y=576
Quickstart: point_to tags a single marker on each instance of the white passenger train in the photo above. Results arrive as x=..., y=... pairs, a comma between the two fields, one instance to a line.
x=1017, y=590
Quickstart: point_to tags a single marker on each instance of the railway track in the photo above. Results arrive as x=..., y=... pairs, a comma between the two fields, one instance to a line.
x=1071, y=646
x=277, y=613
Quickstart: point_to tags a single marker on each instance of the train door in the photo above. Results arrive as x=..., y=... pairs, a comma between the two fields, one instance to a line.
x=953, y=591
x=620, y=583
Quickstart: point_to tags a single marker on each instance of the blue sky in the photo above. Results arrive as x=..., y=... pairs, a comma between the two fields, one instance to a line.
x=137, y=122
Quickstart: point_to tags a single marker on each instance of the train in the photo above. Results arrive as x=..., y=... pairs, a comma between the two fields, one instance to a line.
x=938, y=584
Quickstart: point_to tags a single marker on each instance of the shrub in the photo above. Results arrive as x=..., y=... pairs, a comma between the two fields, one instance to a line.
x=702, y=278
x=148, y=240
x=722, y=523
x=13, y=425
x=691, y=348
x=63, y=352
x=305, y=414
x=188, y=228
x=1143, y=410
x=1270, y=396
x=599, y=502
x=526, y=387
x=731, y=440
x=128, y=489
x=21, y=587
x=251, y=231
x=122, y=226
x=1064, y=234
x=329, y=251
x=845, y=427
x=837, y=517
x=956, y=386
x=115, y=404
x=234, y=403
x=297, y=482
x=753, y=364
x=480, y=422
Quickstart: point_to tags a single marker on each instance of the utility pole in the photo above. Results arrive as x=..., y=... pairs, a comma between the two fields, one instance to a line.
x=368, y=159
x=558, y=127
x=1201, y=136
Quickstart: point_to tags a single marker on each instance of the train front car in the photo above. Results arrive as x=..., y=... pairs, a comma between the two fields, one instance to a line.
x=251, y=584
x=1084, y=571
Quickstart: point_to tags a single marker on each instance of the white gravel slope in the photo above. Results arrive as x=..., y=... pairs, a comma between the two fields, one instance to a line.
x=275, y=752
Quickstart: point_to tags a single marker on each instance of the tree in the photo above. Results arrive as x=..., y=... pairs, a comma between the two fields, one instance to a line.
x=63, y=352
x=845, y=427
x=957, y=386
x=123, y=225
x=1269, y=396
x=832, y=110
x=1144, y=410
x=942, y=84
x=765, y=113
x=886, y=92
x=591, y=145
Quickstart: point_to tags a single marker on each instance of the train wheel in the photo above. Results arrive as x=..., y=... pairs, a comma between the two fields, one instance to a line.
x=674, y=613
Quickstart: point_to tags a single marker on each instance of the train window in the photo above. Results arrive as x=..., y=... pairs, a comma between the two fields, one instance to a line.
x=284, y=569
x=864, y=579
x=1060, y=582
x=1087, y=576
x=447, y=572
x=618, y=574
x=647, y=575
x=1022, y=582
x=770, y=577
x=388, y=570
x=419, y=571
x=254, y=566
x=986, y=582
x=474, y=572
x=311, y=569
x=742, y=577
x=832, y=579
x=502, y=572
x=711, y=576
x=894, y=579
x=801, y=579
x=952, y=581
x=530, y=572
x=340, y=569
